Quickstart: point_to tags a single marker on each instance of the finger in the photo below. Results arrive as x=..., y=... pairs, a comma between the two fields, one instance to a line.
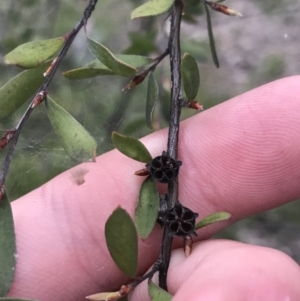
x=240, y=156
x=220, y=270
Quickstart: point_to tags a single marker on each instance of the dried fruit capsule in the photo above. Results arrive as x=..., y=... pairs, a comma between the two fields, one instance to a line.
x=181, y=220
x=164, y=169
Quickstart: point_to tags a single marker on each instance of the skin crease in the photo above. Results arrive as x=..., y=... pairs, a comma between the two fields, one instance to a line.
x=241, y=156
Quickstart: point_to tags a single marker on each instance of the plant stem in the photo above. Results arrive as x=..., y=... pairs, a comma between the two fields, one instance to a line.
x=175, y=111
x=69, y=40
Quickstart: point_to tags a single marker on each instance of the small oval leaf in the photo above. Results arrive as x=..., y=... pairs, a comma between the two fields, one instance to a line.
x=131, y=147
x=158, y=294
x=15, y=92
x=213, y=218
x=211, y=37
x=122, y=241
x=85, y=72
x=190, y=76
x=146, y=212
x=34, y=53
x=76, y=140
x=105, y=56
x=8, y=246
x=92, y=69
x=152, y=96
x=96, y=68
x=152, y=8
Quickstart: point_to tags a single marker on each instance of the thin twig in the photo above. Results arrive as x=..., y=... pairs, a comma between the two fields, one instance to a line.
x=159, y=59
x=175, y=111
x=43, y=89
x=142, y=75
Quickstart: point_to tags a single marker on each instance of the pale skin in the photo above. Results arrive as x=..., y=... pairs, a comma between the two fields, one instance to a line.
x=242, y=156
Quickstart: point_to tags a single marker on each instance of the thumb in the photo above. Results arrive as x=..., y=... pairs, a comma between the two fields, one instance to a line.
x=220, y=270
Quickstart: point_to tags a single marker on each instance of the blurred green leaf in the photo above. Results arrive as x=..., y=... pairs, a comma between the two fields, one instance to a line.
x=146, y=212
x=158, y=294
x=192, y=2
x=211, y=37
x=152, y=8
x=135, y=126
x=196, y=49
x=213, y=218
x=122, y=241
x=7, y=246
x=76, y=140
x=131, y=147
x=105, y=56
x=142, y=42
x=190, y=76
x=32, y=54
x=15, y=92
x=152, y=96
x=192, y=11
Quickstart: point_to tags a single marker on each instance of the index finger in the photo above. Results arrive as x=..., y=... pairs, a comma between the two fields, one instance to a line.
x=241, y=156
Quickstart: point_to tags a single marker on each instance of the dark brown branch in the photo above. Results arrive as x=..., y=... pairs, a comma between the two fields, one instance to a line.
x=175, y=111
x=69, y=40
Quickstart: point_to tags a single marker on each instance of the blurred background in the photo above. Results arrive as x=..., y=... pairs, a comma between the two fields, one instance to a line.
x=253, y=50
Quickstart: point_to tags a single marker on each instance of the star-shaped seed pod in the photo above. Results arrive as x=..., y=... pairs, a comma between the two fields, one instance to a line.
x=181, y=220
x=164, y=169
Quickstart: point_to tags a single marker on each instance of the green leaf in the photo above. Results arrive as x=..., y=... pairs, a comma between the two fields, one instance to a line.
x=96, y=68
x=105, y=56
x=152, y=8
x=15, y=92
x=192, y=2
x=122, y=241
x=7, y=247
x=190, y=76
x=211, y=37
x=142, y=42
x=152, y=96
x=93, y=69
x=76, y=140
x=131, y=147
x=213, y=218
x=85, y=72
x=146, y=212
x=158, y=294
x=32, y=54
x=136, y=61
x=135, y=126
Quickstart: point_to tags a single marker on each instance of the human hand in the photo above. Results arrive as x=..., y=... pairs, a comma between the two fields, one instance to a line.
x=241, y=156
